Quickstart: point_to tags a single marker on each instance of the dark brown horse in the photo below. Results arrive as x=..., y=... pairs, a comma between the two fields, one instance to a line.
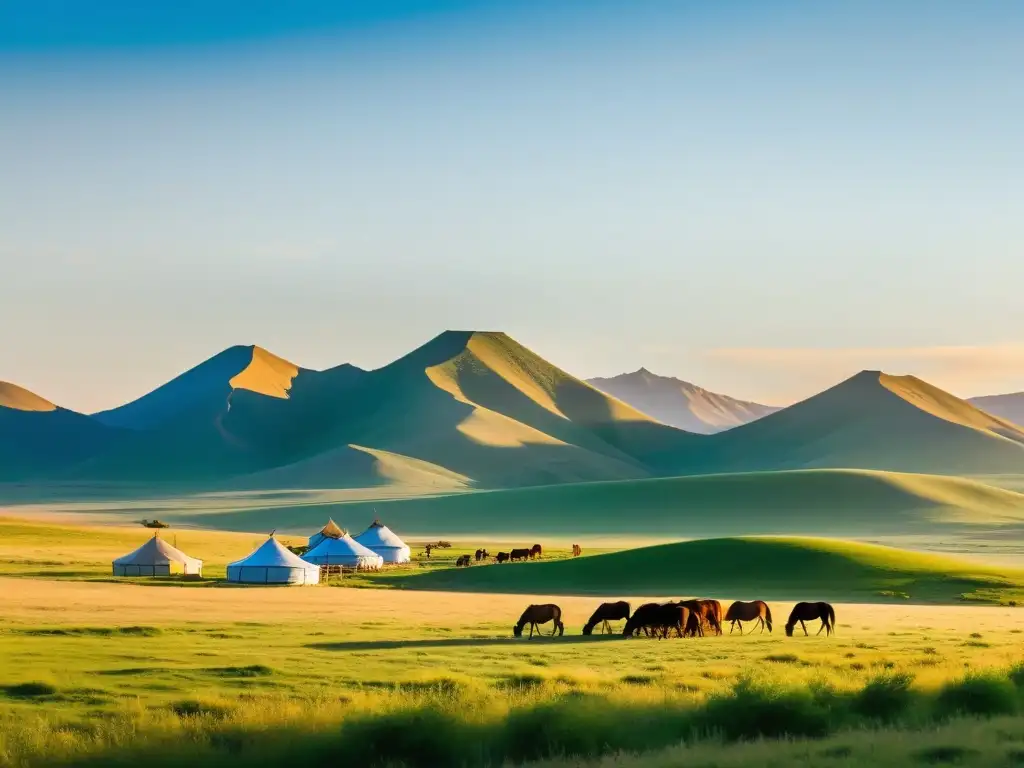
x=481, y=554
x=501, y=557
x=536, y=551
x=809, y=612
x=607, y=612
x=462, y=561
x=540, y=614
x=577, y=550
x=519, y=554
x=705, y=614
x=756, y=611
x=659, y=620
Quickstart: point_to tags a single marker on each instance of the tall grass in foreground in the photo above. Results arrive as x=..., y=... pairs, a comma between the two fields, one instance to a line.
x=452, y=722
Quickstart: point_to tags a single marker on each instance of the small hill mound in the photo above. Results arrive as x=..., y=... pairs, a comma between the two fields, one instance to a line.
x=871, y=421
x=1009, y=407
x=744, y=568
x=679, y=403
x=207, y=386
x=38, y=437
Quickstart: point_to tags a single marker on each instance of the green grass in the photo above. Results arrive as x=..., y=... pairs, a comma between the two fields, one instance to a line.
x=754, y=568
x=845, y=503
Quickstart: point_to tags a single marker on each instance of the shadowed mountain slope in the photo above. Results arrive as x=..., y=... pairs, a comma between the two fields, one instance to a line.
x=1009, y=407
x=38, y=437
x=871, y=421
x=680, y=403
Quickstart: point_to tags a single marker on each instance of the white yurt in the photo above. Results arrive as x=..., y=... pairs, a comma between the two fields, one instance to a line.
x=329, y=531
x=346, y=552
x=385, y=542
x=273, y=564
x=157, y=558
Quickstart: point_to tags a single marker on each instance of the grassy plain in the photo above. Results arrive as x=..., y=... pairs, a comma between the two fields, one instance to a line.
x=246, y=676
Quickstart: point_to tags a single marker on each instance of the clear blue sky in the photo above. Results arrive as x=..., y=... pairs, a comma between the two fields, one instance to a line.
x=761, y=197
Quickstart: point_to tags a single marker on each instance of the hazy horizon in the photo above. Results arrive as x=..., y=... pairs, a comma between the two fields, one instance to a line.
x=761, y=199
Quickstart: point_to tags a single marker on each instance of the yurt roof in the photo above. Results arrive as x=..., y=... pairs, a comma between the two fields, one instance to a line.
x=379, y=536
x=331, y=530
x=271, y=553
x=156, y=551
x=346, y=546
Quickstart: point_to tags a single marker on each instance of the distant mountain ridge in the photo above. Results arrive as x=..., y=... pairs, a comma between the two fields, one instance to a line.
x=681, y=404
x=477, y=410
x=1009, y=406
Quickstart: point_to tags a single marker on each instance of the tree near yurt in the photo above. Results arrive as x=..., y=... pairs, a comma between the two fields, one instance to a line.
x=157, y=558
x=385, y=542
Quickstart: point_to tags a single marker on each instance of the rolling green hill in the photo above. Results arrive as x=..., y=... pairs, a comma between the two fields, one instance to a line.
x=745, y=568
x=870, y=421
x=818, y=502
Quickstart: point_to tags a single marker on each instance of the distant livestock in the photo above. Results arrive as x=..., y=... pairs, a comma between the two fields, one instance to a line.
x=502, y=557
x=481, y=554
x=536, y=551
x=809, y=612
x=577, y=550
x=757, y=611
x=705, y=615
x=540, y=614
x=462, y=561
x=519, y=554
x=607, y=612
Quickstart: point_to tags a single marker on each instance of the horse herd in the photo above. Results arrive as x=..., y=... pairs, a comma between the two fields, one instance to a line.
x=512, y=556
x=688, y=618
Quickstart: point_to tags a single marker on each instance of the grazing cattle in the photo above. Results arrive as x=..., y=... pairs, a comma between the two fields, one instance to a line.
x=502, y=557
x=809, y=612
x=540, y=614
x=577, y=550
x=659, y=620
x=756, y=611
x=536, y=551
x=519, y=554
x=607, y=612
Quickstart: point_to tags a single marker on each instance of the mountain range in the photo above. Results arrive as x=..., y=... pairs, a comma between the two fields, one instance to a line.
x=681, y=404
x=479, y=410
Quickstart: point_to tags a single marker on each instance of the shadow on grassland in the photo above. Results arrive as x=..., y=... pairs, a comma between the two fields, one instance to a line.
x=457, y=642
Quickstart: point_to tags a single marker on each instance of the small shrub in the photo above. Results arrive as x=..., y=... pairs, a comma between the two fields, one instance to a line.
x=984, y=695
x=194, y=708
x=638, y=679
x=836, y=753
x=783, y=658
x=885, y=698
x=751, y=711
x=33, y=690
x=944, y=754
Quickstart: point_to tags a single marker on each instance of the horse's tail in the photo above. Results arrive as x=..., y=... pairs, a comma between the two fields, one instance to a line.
x=832, y=616
x=768, y=617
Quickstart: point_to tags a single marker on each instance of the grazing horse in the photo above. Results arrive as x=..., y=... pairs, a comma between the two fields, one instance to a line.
x=462, y=561
x=658, y=620
x=502, y=557
x=607, y=612
x=479, y=555
x=536, y=551
x=809, y=612
x=540, y=614
x=756, y=611
x=577, y=550
x=519, y=554
x=704, y=612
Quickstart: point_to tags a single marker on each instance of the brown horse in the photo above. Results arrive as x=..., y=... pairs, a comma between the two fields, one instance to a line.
x=809, y=612
x=577, y=550
x=540, y=614
x=607, y=612
x=501, y=557
x=519, y=554
x=756, y=611
x=462, y=561
x=536, y=551
x=659, y=620
x=705, y=613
